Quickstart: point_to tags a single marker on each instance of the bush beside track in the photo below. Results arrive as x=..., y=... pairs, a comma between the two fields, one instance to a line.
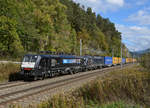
x=9, y=71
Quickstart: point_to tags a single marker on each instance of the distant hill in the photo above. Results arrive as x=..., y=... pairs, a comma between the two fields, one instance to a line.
x=143, y=51
x=138, y=53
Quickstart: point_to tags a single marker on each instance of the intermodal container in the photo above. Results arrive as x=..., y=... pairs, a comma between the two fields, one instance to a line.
x=115, y=60
x=130, y=60
x=98, y=60
x=108, y=61
x=119, y=60
x=123, y=60
x=127, y=60
x=134, y=60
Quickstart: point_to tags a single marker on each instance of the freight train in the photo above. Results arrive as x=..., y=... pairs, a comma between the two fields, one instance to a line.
x=40, y=66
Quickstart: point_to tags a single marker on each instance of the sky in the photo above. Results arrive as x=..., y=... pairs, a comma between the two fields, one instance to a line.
x=131, y=18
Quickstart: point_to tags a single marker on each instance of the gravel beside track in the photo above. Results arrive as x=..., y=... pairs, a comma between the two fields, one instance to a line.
x=25, y=93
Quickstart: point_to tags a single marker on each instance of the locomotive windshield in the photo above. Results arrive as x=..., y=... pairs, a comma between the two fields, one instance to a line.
x=30, y=58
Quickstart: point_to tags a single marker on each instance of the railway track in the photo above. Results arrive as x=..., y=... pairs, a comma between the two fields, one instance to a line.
x=18, y=91
x=11, y=84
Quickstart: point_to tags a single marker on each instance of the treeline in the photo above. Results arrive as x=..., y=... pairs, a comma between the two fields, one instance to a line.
x=36, y=25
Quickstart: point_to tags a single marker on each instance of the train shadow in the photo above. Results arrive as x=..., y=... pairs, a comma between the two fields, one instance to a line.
x=15, y=77
x=19, y=77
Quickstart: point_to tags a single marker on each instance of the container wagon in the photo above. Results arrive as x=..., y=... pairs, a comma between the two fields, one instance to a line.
x=119, y=60
x=123, y=60
x=115, y=61
x=127, y=60
x=108, y=61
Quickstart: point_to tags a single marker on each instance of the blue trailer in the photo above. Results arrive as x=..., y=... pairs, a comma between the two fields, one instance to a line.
x=123, y=60
x=108, y=61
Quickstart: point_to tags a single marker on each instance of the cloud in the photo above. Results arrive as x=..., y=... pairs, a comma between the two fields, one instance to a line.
x=116, y=2
x=102, y=5
x=141, y=2
x=135, y=37
x=142, y=17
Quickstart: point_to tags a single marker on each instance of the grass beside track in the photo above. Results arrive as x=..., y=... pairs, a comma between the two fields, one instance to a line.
x=127, y=88
x=9, y=71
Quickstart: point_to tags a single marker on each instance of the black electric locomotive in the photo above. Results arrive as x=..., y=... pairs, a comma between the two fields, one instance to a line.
x=41, y=66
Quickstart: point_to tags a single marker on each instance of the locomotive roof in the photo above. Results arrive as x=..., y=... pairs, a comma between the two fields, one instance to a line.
x=60, y=56
x=87, y=56
x=98, y=57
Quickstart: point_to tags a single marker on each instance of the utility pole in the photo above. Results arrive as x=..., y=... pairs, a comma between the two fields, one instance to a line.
x=121, y=54
x=133, y=56
x=126, y=52
x=112, y=52
x=80, y=47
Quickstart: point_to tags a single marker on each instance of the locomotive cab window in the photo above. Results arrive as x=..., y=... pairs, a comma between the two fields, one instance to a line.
x=26, y=59
x=34, y=58
x=30, y=58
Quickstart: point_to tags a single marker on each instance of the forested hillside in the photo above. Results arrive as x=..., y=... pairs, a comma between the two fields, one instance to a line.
x=36, y=25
